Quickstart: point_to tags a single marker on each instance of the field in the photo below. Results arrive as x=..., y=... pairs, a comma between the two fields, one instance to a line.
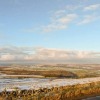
x=54, y=70
x=56, y=82
x=74, y=92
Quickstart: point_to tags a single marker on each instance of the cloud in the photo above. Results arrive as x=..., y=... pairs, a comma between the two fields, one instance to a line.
x=92, y=7
x=62, y=18
x=60, y=23
x=24, y=54
x=14, y=53
x=59, y=12
x=73, y=7
x=67, y=19
x=70, y=14
x=88, y=19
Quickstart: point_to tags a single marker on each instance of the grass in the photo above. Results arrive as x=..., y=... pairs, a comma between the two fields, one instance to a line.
x=45, y=73
x=63, y=70
x=74, y=92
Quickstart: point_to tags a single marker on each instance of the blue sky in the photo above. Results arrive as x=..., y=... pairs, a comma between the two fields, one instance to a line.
x=50, y=24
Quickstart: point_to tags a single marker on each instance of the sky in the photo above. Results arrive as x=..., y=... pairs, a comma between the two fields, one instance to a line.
x=60, y=31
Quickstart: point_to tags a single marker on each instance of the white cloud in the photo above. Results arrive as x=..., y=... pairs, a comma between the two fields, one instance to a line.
x=92, y=7
x=52, y=27
x=69, y=14
x=88, y=18
x=7, y=57
x=63, y=17
x=66, y=19
x=47, y=55
x=59, y=13
x=73, y=7
x=60, y=23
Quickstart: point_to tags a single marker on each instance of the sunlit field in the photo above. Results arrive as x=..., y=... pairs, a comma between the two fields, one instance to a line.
x=49, y=82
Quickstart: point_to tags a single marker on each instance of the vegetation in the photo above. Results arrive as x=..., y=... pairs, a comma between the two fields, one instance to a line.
x=58, y=70
x=86, y=73
x=45, y=73
x=75, y=92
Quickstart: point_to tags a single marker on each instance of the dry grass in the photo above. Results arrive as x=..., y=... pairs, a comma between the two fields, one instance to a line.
x=75, y=92
x=51, y=73
x=75, y=71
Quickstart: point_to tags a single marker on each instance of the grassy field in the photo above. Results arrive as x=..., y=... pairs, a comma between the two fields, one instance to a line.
x=59, y=70
x=74, y=92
